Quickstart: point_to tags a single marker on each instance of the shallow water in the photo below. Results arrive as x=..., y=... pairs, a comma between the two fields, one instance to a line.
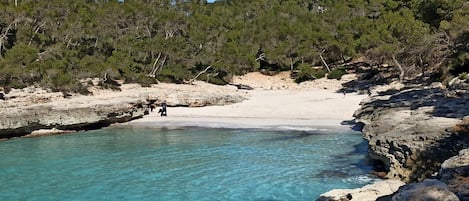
x=185, y=164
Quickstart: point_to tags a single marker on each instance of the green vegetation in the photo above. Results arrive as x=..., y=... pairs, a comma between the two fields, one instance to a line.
x=57, y=43
x=306, y=72
x=463, y=76
x=336, y=73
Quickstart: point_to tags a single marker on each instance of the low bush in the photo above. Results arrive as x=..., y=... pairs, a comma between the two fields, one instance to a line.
x=463, y=76
x=336, y=73
x=305, y=73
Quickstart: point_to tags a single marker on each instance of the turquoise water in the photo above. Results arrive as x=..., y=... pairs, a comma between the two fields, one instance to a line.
x=119, y=163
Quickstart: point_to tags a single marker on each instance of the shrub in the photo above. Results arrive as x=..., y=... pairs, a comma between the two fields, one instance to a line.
x=336, y=73
x=145, y=80
x=174, y=74
x=59, y=81
x=319, y=73
x=16, y=84
x=463, y=76
x=305, y=73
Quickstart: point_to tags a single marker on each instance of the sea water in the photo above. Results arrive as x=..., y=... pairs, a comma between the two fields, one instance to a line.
x=125, y=163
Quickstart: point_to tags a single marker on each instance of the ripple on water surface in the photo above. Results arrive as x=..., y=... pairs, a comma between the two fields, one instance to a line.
x=182, y=164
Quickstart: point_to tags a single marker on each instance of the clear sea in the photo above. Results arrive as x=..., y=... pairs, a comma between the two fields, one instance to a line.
x=129, y=163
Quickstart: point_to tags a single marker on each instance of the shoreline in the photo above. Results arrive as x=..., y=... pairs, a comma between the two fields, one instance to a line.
x=310, y=109
x=275, y=101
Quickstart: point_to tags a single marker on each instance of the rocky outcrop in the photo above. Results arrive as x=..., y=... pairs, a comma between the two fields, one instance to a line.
x=408, y=130
x=455, y=173
x=429, y=189
x=30, y=109
x=21, y=121
x=369, y=192
x=412, y=131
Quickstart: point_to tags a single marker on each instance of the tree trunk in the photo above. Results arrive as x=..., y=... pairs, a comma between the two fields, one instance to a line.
x=261, y=57
x=324, y=61
x=4, y=35
x=154, y=68
x=35, y=32
x=200, y=73
x=161, y=65
x=291, y=63
x=422, y=65
x=401, y=75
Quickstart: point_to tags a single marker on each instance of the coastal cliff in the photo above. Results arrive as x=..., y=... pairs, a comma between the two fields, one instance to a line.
x=409, y=131
x=419, y=135
x=28, y=110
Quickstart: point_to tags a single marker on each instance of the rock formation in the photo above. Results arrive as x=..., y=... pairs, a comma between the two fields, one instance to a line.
x=455, y=173
x=408, y=130
x=369, y=192
x=30, y=109
x=20, y=121
x=429, y=189
x=413, y=131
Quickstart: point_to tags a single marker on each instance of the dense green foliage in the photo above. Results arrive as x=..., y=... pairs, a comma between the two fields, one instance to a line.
x=336, y=73
x=56, y=43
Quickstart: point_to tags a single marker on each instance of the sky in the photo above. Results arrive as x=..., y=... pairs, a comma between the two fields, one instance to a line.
x=210, y=1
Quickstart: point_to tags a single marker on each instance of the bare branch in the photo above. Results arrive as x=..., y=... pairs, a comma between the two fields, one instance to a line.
x=170, y=33
x=148, y=31
x=401, y=75
x=4, y=35
x=324, y=61
x=35, y=32
x=200, y=73
x=261, y=57
x=154, y=68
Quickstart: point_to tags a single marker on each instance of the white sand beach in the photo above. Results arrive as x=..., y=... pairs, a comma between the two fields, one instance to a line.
x=276, y=102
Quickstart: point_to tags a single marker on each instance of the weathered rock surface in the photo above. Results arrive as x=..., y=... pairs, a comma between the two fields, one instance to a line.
x=413, y=131
x=369, y=192
x=20, y=121
x=455, y=173
x=428, y=190
x=30, y=109
x=407, y=131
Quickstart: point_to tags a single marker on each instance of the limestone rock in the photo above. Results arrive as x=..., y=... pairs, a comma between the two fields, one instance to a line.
x=428, y=190
x=31, y=109
x=45, y=132
x=407, y=130
x=455, y=173
x=20, y=121
x=369, y=192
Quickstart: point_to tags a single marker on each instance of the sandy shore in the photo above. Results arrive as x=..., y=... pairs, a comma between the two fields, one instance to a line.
x=277, y=104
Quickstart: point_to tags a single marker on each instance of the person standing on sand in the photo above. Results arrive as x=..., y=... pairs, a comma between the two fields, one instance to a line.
x=163, y=109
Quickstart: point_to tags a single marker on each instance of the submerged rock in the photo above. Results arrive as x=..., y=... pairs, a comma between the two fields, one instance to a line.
x=45, y=132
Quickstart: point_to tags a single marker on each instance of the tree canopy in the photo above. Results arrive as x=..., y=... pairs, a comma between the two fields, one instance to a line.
x=57, y=43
